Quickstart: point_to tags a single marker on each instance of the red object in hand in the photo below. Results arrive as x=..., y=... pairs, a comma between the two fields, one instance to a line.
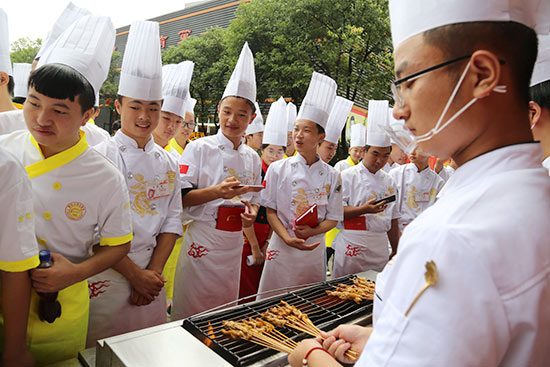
x=358, y=223
x=308, y=218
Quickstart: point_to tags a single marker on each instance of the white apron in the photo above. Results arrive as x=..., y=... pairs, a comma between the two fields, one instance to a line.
x=111, y=312
x=287, y=266
x=357, y=251
x=208, y=270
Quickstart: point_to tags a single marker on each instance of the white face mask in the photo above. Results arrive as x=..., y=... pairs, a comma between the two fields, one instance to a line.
x=409, y=142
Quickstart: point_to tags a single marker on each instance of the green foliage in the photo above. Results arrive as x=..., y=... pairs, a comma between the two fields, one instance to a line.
x=24, y=50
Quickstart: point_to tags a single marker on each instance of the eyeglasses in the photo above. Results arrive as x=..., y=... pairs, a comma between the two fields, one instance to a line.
x=189, y=125
x=396, y=85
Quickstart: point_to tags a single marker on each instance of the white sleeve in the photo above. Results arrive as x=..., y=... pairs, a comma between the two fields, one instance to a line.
x=395, y=213
x=189, y=165
x=18, y=247
x=115, y=218
x=335, y=207
x=172, y=223
x=347, y=182
x=269, y=194
x=257, y=172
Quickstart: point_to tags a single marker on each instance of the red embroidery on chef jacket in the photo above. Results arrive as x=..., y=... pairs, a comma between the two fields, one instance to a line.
x=272, y=254
x=197, y=251
x=96, y=288
x=353, y=251
x=184, y=168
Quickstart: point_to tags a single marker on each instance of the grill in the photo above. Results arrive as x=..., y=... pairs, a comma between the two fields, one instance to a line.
x=326, y=312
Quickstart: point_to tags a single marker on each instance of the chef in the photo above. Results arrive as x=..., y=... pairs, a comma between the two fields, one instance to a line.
x=177, y=144
x=485, y=292
x=417, y=187
x=356, y=147
x=336, y=122
x=296, y=253
x=216, y=173
x=135, y=297
x=257, y=236
x=79, y=196
x=291, y=113
x=18, y=255
x=255, y=131
x=539, y=99
x=175, y=90
x=363, y=242
x=6, y=71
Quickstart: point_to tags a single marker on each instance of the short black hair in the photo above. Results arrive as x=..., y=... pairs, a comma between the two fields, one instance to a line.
x=11, y=85
x=320, y=129
x=63, y=82
x=514, y=43
x=266, y=145
x=19, y=100
x=248, y=102
x=540, y=94
x=367, y=147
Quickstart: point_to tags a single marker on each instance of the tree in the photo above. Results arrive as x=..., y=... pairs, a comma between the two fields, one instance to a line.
x=24, y=50
x=211, y=73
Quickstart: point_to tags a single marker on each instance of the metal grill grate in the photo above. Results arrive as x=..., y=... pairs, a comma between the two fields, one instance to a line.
x=326, y=312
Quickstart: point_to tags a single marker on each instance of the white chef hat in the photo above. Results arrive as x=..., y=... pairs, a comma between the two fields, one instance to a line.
x=257, y=125
x=190, y=104
x=377, y=117
x=337, y=119
x=175, y=87
x=411, y=17
x=291, y=114
x=541, y=72
x=394, y=123
x=275, y=126
x=243, y=80
x=69, y=15
x=141, y=74
x=86, y=46
x=5, y=61
x=358, y=136
x=319, y=99
x=21, y=73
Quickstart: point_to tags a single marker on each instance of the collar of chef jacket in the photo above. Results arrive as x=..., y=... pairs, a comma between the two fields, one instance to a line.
x=128, y=142
x=300, y=159
x=366, y=171
x=57, y=160
x=225, y=143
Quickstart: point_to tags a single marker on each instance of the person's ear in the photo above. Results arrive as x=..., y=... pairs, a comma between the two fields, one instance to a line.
x=4, y=78
x=252, y=118
x=86, y=116
x=118, y=106
x=484, y=73
x=535, y=111
x=322, y=138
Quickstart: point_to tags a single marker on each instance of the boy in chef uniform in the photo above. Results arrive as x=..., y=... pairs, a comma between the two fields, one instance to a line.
x=216, y=172
x=175, y=91
x=336, y=122
x=77, y=193
x=539, y=99
x=417, y=187
x=296, y=253
x=177, y=144
x=488, y=304
x=255, y=131
x=363, y=242
x=291, y=114
x=135, y=297
x=18, y=255
x=257, y=236
x=356, y=147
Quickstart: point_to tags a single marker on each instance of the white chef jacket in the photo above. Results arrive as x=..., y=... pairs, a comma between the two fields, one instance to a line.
x=546, y=164
x=446, y=173
x=416, y=191
x=387, y=167
x=359, y=185
x=207, y=162
x=175, y=149
x=94, y=134
x=18, y=247
x=74, y=192
x=488, y=236
x=153, y=182
x=344, y=164
x=11, y=121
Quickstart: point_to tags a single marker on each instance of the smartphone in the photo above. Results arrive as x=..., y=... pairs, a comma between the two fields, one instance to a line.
x=388, y=200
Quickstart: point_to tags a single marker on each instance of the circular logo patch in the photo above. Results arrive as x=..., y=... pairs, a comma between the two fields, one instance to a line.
x=75, y=210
